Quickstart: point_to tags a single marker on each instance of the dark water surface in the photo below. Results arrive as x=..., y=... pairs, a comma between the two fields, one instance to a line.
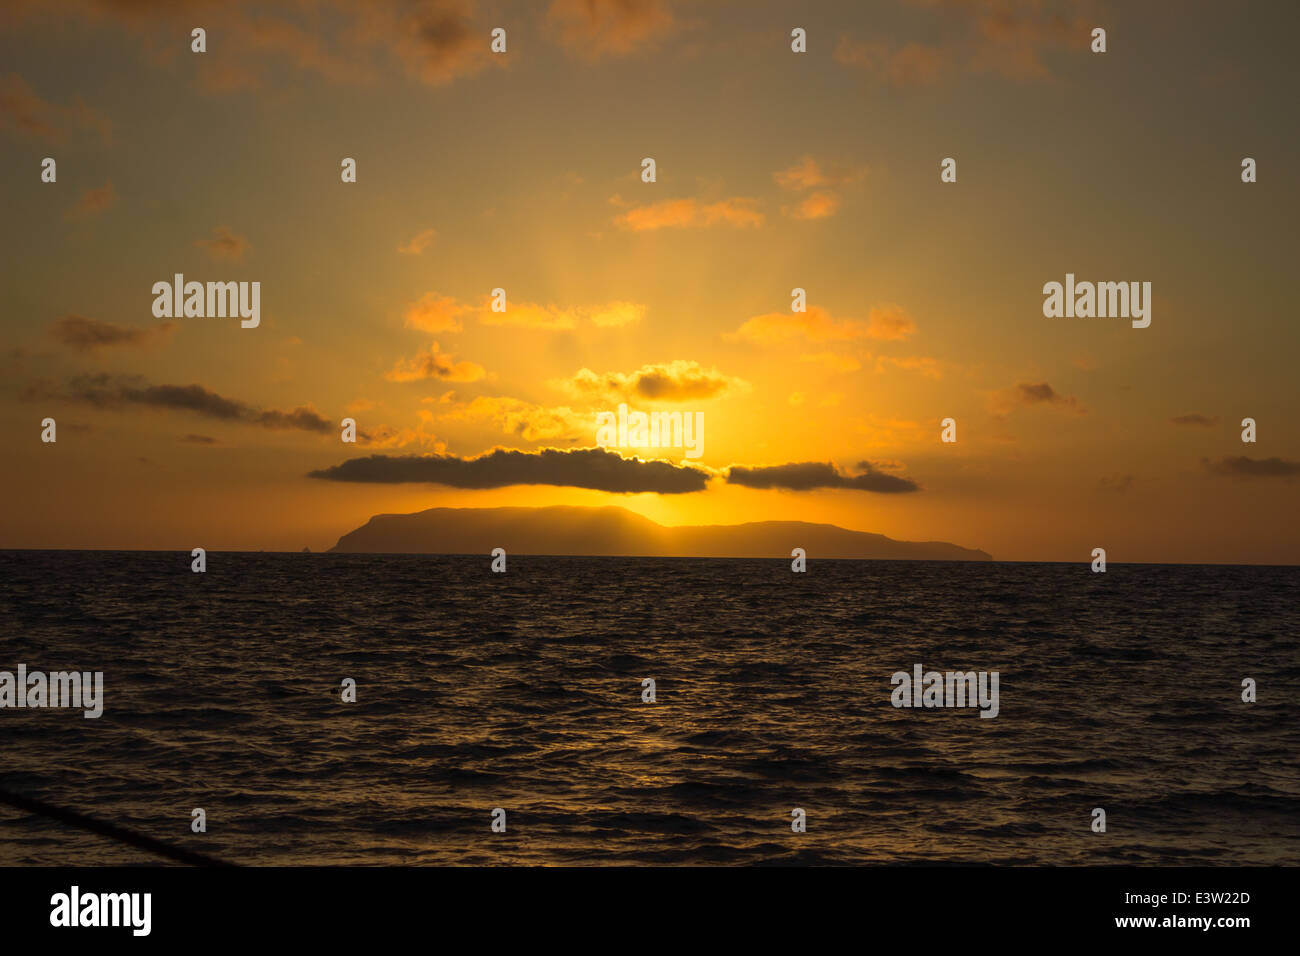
x=523, y=691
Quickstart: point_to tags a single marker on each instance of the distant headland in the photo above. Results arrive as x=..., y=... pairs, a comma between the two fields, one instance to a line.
x=610, y=531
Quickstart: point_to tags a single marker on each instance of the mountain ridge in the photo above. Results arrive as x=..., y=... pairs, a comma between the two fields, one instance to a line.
x=612, y=531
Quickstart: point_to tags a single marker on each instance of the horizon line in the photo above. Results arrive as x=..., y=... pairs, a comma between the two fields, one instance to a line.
x=653, y=557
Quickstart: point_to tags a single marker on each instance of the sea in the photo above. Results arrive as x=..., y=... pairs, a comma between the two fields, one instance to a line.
x=525, y=692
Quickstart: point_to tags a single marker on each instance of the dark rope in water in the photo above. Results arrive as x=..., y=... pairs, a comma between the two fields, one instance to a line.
x=110, y=830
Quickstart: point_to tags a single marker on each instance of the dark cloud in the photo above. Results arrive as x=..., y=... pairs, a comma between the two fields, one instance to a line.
x=193, y=439
x=304, y=418
x=1203, y=420
x=1243, y=467
x=436, y=41
x=1034, y=394
x=576, y=468
x=85, y=335
x=106, y=391
x=808, y=475
x=1027, y=395
x=113, y=392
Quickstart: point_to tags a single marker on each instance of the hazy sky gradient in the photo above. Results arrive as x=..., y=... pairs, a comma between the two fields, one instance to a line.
x=818, y=170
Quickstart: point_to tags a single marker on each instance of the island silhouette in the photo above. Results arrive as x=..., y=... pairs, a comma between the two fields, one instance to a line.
x=613, y=531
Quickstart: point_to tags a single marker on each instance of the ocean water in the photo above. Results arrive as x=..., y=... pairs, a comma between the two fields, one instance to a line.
x=523, y=691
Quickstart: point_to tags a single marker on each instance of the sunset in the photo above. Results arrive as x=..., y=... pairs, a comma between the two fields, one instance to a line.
x=523, y=172
x=603, y=341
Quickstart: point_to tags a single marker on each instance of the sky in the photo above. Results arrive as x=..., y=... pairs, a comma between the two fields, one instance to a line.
x=774, y=170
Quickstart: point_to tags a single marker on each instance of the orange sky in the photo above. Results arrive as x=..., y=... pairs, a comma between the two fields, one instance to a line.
x=775, y=170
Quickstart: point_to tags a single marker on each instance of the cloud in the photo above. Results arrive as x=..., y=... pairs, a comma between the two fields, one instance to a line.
x=886, y=322
x=665, y=214
x=689, y=213
x=304, y=418
x=417, y=243
x=1013, y=35
x=303, y=48
x=530, y=315
x=82, y=334
x=1024, y=395
x=1206, y=421
x=524, y=420
x=1243, y=467
x=1011, y=38
x=808, y=173
x=675, y=381
x=913, y=64
x=225, y=246
x=804, y=174
x=93, y=202
x=193, y=439
x=811, y=475
x=436, y=313
x=111, y=392
x=593, y=468
x=332, y=46
x=889, y=323
x=591, y=29
x=431, y=41
x=818, y=205
x=388, y=436
x=25, y=115
x=617, y=314
x=107, y=392
x=434, y=40
x=432, y=363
